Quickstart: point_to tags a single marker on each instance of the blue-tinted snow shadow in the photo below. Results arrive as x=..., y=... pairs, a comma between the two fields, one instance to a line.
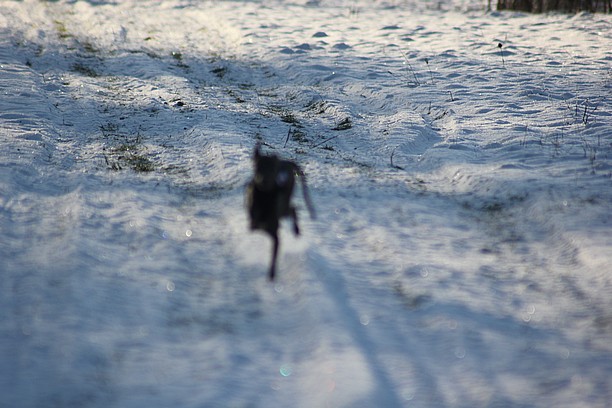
x=385, y=391
x=454, y=348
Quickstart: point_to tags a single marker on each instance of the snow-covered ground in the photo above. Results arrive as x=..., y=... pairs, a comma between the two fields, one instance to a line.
x=461, y=167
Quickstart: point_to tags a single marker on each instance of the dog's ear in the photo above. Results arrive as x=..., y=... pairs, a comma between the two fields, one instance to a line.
x=256, y=152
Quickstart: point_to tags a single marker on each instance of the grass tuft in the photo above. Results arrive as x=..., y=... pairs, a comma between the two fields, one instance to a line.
x=84, y=70
x=344, y=124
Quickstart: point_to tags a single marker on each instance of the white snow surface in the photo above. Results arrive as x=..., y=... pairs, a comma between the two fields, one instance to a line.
x=461, y=254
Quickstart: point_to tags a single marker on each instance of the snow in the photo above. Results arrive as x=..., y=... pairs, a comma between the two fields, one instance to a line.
x=461, y=251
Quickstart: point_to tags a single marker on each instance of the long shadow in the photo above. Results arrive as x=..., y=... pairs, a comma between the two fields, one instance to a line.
x=385, y=391
x=535, y=353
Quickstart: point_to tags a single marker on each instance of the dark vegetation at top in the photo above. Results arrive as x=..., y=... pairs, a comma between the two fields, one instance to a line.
x=567, y=6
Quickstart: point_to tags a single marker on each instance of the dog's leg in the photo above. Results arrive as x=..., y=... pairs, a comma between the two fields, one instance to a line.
x=294, y=217
x=307, y=200
x=275, y=245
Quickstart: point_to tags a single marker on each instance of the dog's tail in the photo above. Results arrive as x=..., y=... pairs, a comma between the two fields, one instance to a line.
x=307, y=200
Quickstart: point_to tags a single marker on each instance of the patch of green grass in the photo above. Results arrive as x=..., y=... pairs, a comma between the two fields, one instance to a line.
x=285, y=115
x=89, y=47
x=84, y=70
x=289, y=117
x=140, y=163
x=178, y=57
x=125, y=153
x=344, y=124
x=236, y=96
x=318, y=107
x=128, y=156
x=109, y=127
x=298, y=135
x=62, y=31
x=219, y=72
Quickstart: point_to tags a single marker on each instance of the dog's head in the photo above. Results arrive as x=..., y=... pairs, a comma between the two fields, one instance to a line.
x=266, y=172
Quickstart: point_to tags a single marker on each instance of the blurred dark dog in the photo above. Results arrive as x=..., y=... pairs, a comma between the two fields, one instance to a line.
x=268, y=197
